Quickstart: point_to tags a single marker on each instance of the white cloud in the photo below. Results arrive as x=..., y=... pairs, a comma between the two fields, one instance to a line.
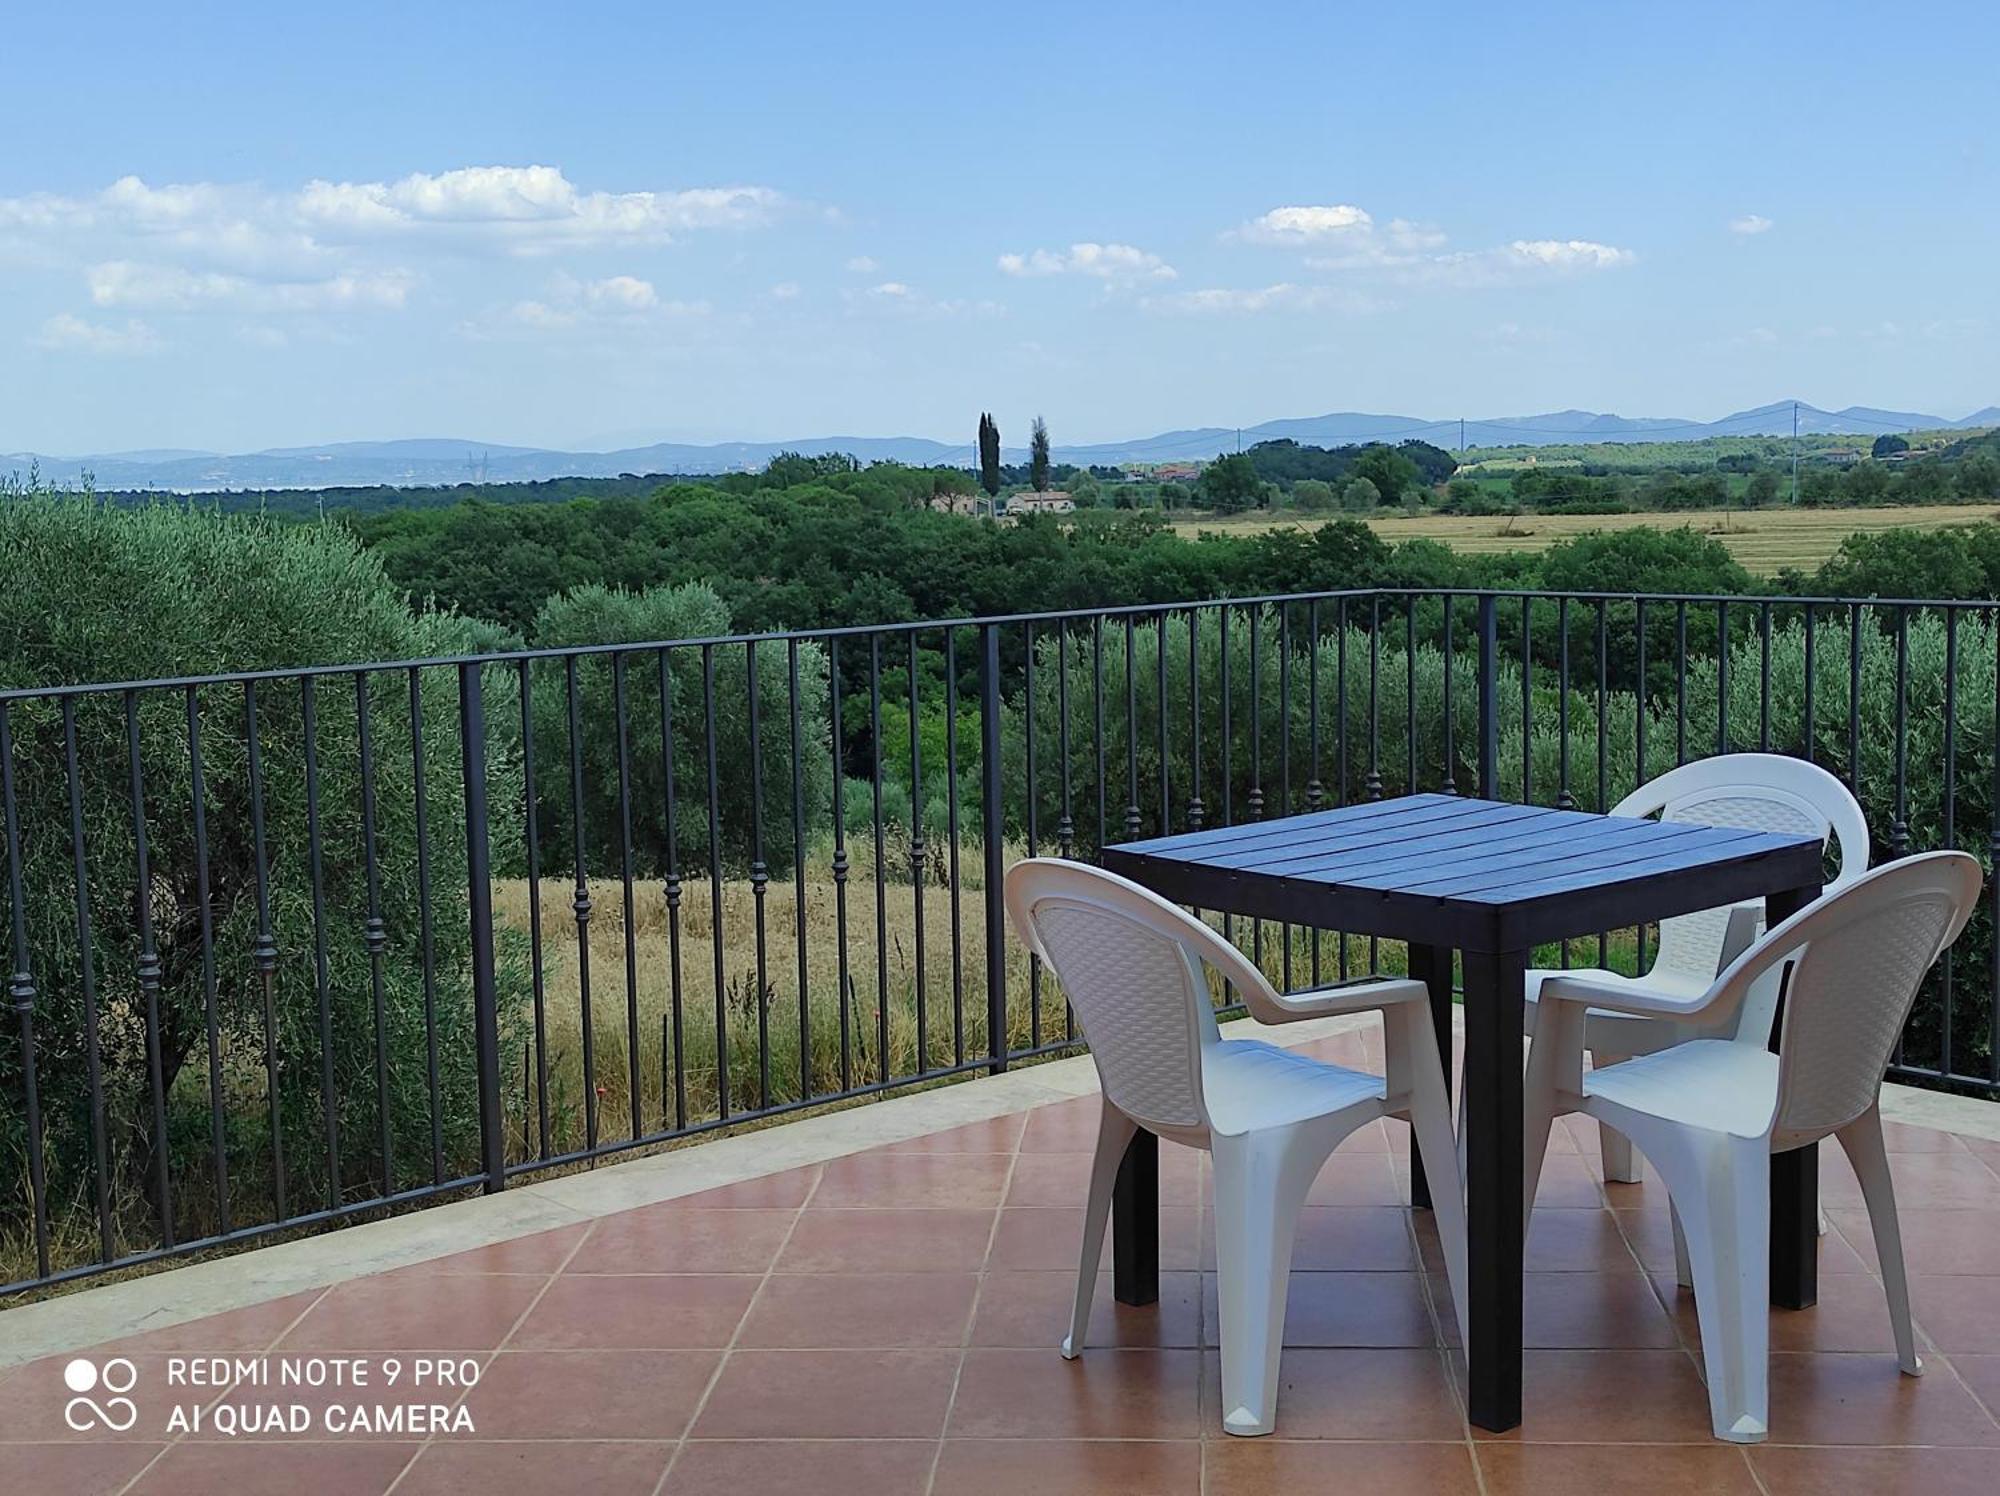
x=525, y=208
x=895, y=289
x=65, y=332
x=172, y=288
x=622, y=293
x=864, y=265
x=1306, y=225
x=1750, y=223
x=1121, y=263
x=1283, y=296
x=1341, y=237
x=785, y=291
x=903, y=299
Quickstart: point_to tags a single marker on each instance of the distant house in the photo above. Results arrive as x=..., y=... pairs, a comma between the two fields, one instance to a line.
x=1053, y=502
x=1842, y=456
x=959, y=503
x=1177, y=472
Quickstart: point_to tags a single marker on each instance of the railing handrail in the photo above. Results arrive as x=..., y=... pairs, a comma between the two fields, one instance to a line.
x=902, y=626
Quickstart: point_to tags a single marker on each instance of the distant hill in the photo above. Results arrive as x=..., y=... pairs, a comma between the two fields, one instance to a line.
x=445, y=460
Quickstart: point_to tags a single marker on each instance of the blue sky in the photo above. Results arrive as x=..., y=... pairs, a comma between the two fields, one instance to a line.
x=233, y=227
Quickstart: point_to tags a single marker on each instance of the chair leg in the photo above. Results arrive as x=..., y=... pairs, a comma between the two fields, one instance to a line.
x=1683, y=1273
x=1862, y=1138
x=1114, y=1132
x=1430, y=1119
x=1261, y=1179
x=1722, y=1185
x=1620, y=1166
x=1554, y=1066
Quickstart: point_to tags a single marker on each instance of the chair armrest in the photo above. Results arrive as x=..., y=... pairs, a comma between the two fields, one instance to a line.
x=1360, y=995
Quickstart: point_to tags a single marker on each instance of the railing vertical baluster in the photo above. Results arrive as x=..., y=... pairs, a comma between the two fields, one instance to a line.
x=93, y=1051
x=531, y=834
x=1993, y=860
x=917, y=858
x=1450, y=785
x=628, y=892
x=1160, y=718
x=1854, y=620
x=1131, y=731
x=1764, y=682
x=1315, y=788
x=1196, y=811
x=1029, y=807
x=1489, y=689
x=1374, y=781
x=1527, y=701
x=1680, y=684
x=1410, y=785
x=881, y=848
x=21, y=997
x=263, y=950
x=1899, y=827
x=1807, y=715
x=672, y=893
x=993, y=829
x=760, y=870
x=1285, y=764
x=479, y=895
x=1256, y=795
x=1722, y=677
x=1950, y=827
x=1640, y=696
x=1066, y=825
x=581, y=908
x=715, y=936
x=799, y=866
x=426, y=932
x=375, y=933
x=841, y=870
x=1097, y=729
x=1564, y=799
x=1603, y=740
x=1228, y=760
x=952, y=832
x=322, y=980
x=205, y=928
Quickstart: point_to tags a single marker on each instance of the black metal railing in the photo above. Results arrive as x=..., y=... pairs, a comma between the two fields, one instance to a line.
x=290, y=946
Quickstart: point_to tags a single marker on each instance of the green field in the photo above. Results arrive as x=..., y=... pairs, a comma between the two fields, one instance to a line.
x=1763, y=540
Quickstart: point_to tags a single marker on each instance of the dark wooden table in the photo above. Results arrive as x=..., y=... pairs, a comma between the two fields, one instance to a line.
x=1490, y=881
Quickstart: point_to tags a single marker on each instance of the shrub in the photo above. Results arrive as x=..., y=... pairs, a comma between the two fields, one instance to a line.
x=101, y=593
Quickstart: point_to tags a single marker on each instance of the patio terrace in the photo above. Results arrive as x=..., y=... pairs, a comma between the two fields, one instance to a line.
x=872, y=1303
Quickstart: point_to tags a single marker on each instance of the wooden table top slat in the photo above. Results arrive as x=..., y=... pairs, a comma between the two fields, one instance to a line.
x=1465, y=873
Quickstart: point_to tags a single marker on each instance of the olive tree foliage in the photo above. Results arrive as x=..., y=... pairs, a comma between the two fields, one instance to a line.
x=614, y=765
x=311, y=1066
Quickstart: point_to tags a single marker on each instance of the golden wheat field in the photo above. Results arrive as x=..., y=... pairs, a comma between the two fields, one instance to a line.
x=881, y=968
x=1763, y=540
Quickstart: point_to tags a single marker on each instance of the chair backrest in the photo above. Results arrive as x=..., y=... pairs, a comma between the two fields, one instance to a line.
x=1857, y=959
x=1131, y=965
x=1754, y=792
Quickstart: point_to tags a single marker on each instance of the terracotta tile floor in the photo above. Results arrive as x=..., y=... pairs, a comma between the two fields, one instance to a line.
x=886, y=1324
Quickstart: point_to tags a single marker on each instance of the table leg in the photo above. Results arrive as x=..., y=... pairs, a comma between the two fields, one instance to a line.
x=1495, y=1222
x=1431, y=965
x=1794, y=1175
x=1135, y=1223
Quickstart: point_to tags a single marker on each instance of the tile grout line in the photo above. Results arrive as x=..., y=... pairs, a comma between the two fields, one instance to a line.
x=972, y=1316
x=270, y=1346
x=722, y=1361
x=493, y=1355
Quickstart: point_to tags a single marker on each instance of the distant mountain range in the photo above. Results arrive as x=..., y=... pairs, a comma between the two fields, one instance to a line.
x=432, y=461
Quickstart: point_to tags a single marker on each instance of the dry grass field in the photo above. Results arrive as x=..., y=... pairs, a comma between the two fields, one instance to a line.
x=1764, y=540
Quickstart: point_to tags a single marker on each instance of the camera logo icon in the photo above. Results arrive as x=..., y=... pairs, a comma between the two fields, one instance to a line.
x=115, y=1377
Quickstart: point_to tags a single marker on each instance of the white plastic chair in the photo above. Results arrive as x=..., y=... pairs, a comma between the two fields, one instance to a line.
x=1752, y=791
x=1132, y=966
x=1709, y=1113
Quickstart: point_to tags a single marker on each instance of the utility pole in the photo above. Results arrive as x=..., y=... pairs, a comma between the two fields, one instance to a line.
x=1239, y=439
x=1461, y=436
x=1795, y=454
